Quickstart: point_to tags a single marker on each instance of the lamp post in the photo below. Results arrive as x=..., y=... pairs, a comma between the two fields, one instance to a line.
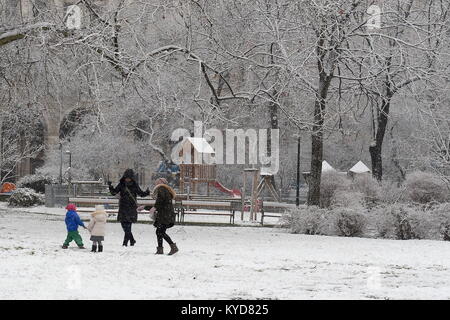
x=70, y=165
x=60, y=163
x=297, y=191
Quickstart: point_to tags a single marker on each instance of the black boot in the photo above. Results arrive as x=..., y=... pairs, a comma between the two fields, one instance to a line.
x=132, y=241
x=159, y=250
x=125, y=241
x=100, y=248
x=173, y=249
x=94, y=248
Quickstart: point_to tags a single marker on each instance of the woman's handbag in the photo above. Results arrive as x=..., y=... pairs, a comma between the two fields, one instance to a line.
x=152, y=213
x=131, y=195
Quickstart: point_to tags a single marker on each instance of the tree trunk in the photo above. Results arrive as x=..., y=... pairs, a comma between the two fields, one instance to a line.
x=316, y=169
x=377, y=161
x=317, y=141
x=376, y=148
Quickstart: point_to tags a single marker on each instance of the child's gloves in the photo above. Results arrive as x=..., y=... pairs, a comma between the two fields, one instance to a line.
x=109, y=183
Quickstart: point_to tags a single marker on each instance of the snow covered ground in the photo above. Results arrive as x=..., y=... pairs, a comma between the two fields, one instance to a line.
x=214, y=263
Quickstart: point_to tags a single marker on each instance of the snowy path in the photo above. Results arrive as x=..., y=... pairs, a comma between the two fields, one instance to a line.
x=215, y=263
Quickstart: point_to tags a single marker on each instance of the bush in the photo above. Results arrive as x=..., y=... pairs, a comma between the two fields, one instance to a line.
x=404, y=223
x=332, y=182
x=308, y=220
x=369, y=187
x=36, y=182
x=348, y=199
x=25, y=197
x=423, y=187
x=441, y=218
x=390, y=193
x=391, y=221
x=349, y=223
x=445, y=230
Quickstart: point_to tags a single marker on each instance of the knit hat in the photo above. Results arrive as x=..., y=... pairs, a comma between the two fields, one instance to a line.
x=129, y=173
x=71, y=207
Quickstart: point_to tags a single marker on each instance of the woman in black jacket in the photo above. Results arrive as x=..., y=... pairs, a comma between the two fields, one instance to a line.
x=128, y=190
x=165, y=214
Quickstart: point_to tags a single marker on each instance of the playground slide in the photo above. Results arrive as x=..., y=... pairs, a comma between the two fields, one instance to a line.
x=233, y=192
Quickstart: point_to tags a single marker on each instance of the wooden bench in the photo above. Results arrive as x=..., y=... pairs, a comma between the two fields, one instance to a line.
x=225, y=207
x=198, y=197
x=182, y=208
x=274, y=209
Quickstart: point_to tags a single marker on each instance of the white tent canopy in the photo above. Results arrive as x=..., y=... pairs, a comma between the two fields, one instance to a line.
x=327, y=167
x=360, y=167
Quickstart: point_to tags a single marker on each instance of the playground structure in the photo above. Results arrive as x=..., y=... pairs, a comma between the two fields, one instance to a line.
x=192, y=203
x=261, y=179
x=170, y=171
x=252, y=197
x=194, y=172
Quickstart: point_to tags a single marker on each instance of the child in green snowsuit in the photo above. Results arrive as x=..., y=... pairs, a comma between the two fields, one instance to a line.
x=72, y=222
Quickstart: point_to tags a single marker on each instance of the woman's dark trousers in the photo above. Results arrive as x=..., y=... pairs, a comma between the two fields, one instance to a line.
x=161, y=234
x=126, y=226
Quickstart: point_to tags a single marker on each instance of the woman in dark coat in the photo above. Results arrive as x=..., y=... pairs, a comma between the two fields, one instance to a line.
x=165, y=214
x=128, y=190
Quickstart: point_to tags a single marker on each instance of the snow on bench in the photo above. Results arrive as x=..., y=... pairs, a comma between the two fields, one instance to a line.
x=187, y=207
x=274, y=209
